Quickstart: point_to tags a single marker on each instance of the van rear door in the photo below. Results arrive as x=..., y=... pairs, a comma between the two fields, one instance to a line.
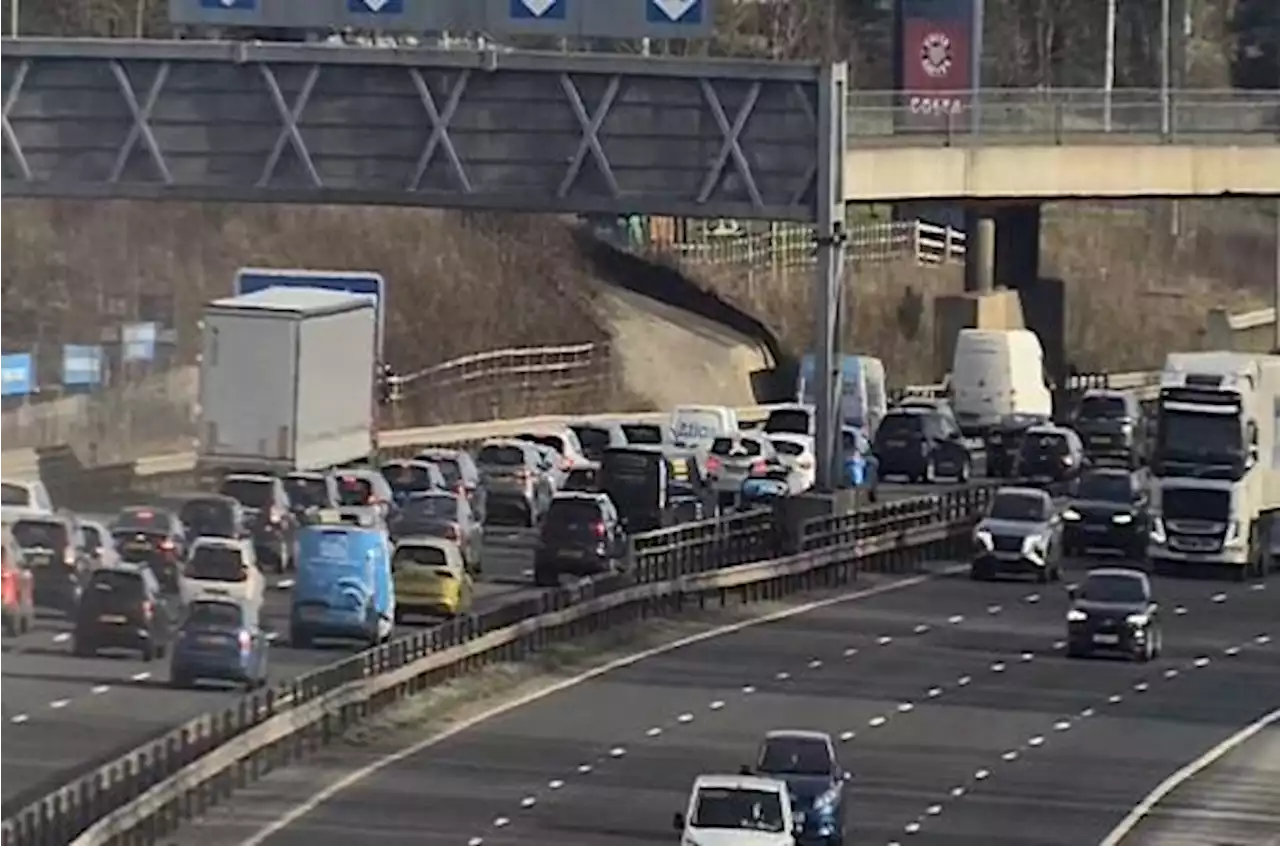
x=981, y=379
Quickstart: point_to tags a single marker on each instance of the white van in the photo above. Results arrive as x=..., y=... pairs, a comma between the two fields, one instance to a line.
x=696, y=426
x=995, y=373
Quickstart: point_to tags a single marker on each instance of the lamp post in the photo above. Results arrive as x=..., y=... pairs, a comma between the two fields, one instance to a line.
x=1109, y=69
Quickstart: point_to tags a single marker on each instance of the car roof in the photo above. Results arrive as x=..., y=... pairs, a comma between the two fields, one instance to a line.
x=652, y=449
x=222, y=543
x=791, y=438
x=13, y=513
x=1019, y=490
x=248, y=477
x=123, y=567
x=187, y=499
x=592, y=496
x=800, y=734
x=1106, y=392
x=1047, y=429
x=438, y=452
x=1118, y=472
x=740, y=782
x=1122, y=572
x=426, y=541
x=306, y=474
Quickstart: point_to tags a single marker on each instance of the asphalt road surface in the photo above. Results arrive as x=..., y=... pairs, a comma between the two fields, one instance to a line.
x=959, y=716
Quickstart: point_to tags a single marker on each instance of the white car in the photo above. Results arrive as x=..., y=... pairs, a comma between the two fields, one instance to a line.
x=738, y=810
x=222, y=567
x=565, y=442
x=797, y=453
x=735, y=457
x=23, y=493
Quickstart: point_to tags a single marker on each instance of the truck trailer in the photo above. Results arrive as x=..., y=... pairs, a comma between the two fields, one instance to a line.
x=287, y=381
x=1215, y=463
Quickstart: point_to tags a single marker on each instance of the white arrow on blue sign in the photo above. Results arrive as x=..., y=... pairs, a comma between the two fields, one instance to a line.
x=230, y=5
x=375, y=7
x=686, y=12
x=368, y=283
x=539, y=10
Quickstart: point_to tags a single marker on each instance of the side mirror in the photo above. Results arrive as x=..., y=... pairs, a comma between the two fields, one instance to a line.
x=677, y=821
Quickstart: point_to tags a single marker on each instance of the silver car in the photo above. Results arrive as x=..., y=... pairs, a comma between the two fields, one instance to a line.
x=1021, y=534
x=517, y=482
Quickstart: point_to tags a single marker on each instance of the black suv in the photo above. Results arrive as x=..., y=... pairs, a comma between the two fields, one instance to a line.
x=581, y=536
x=1110, y=512
x=123, y=608
x=269, y=515
x=1112, y=427
x=1003, y=443
x=922, y=444
x=1051, y=456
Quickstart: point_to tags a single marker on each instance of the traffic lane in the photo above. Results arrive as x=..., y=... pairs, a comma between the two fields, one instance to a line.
x=82, y=709
x=1234, y=800
x=458, y=787
x=1075, y=791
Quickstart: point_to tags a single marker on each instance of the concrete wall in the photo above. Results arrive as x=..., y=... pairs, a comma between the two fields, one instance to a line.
x=886, y=174
x=1253, y=331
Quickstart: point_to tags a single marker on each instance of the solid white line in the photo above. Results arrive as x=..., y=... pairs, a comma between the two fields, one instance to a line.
x=1190, y=771
x=343, y=783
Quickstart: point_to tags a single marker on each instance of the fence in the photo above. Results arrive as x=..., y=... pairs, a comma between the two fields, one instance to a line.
x=786, y=247
x=155, y=416
x=146, y=793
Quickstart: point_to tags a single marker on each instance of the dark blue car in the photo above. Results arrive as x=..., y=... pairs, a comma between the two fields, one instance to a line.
x=220, y=640
x=806, y=761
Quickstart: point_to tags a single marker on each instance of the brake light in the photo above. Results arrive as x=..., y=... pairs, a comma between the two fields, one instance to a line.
x=167, y=544
x=8, y=588
x=565, y=464
x=69, y=557
x=451, y=531
x=246, y=641
x=148, y=608
x=713, y=465
x=759, y=465
x=600, y=529
x=276, y=514
x=524, y=476
x=460, y=489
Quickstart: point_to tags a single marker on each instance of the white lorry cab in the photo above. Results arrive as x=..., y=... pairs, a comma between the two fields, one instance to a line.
x=696, y=426
x=738, y=810
x=222, y=568
x=997, y=373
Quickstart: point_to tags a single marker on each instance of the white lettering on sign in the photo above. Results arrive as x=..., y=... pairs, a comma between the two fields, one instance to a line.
x=936, y=105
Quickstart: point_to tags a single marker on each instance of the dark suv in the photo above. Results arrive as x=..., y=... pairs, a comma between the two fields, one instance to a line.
x=268, y=514
x=123, y=608
x=1111, y=425
x=922, y=444
x=581, y=536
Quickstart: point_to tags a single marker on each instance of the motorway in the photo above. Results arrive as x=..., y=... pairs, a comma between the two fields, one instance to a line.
x=960, y=718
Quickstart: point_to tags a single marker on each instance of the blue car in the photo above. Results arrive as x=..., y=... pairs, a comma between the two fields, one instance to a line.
x=861, y=468
x=806, y=761
x=220, y=640
x=344, y=589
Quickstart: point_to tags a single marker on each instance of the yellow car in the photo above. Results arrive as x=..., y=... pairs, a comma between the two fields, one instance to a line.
x=431, y=578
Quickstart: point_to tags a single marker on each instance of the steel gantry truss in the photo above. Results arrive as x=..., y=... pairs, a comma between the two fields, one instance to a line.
x=555, y=133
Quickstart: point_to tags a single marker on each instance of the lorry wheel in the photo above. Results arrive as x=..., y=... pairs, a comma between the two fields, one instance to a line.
x=300, y=639
x=545, y=579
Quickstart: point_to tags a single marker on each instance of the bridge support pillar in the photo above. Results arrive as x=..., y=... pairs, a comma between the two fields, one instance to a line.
x=1017, y=245
x=980, y=254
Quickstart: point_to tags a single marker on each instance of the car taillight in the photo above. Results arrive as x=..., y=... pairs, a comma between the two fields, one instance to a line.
x=713, y=465
x=460, y=489
x=148, y=608
x=524, y=476
x=565, y=464
x=276, y=514
x=8, y=588
x=69, y=557
x=451, y=531
x=167, y=545
x=759, y=465
x=600, y=529
x=246, y=641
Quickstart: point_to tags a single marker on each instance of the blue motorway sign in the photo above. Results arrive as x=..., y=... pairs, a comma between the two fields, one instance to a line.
x=230, y=5
x=139, y=341
x=17, y=374
x=681, y=12
x=251, y=279
x=376, y=7
x=539, y=10
x=81, y=365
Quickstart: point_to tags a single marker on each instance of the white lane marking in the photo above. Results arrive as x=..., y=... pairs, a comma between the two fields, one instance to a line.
x=783, y=675
x=906, y=708
x=617, y=752
x=476, y=841
x=748, y=689
x=583, y=769
x=1231, y=651
x=19, y=719
x=934, y=692
x=1218, y=597
x=981, y=775
x=1171, y=673
x=1033, y=598
x=815, y=664
x=653, y=732
x=143, y=676
x=963, y=681
x=911, y=827
x=1027, y=656
x=62, y=637
x=1115, y=699
x=1062, y=725
x=685, y=718
x=921, y=629
x=99, y=689
x=501, y=822
x=716, y=705
x=346, y=780
x=1183, y=775
x=555, y=783
x=1259, y=586
x=876, y=722
x=955, y=619
x=997, y=667
x=1036, y=741
x=1141, y=687
x=1180, y=610
x=1202, y=661
x=994, y=609
x=846, y=736
x=58, y=704
x=528, y=801
x=1011, y=755
x=958, y=791
x=851, y=651
x=1262, y=639
x=884, y=640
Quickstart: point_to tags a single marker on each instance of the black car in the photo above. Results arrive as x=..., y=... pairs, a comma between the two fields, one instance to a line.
x=1052, y=456
x=1112, y=426
x=582, y=535
x=1114, y=610
x=1003, y=443
x=922, y=444
x=213, y=516
x=269, y=515
x=52, y=550
x=123, y=608
x=806, y=761
x=1108, y=512
x=155, y=537
x=643, y=484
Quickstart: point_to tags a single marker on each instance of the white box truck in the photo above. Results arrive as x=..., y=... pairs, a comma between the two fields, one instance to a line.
x=1215, y=462
x=287, y=381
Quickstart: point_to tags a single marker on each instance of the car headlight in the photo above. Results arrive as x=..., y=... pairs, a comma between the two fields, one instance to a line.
x=982, y=538
x=1157, y=530
x=826, y=803
x=1071, y=515
x=1122, y=519
x=1138, y=620
x=1075, y=615
x=1234, y=536
x=1032, y=543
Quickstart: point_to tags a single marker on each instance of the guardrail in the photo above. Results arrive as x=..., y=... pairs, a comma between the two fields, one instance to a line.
x=786, y=247
x=146, y=793
x=1062, y=116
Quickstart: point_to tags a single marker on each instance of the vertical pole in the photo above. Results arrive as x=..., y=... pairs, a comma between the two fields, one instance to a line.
x=1166, y=118
x=1109, y=69
x=977, y=24
x=1276, y=293
x=14, y=6
x=830, y=238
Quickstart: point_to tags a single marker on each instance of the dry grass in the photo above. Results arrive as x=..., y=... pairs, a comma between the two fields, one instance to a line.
x=456, y=283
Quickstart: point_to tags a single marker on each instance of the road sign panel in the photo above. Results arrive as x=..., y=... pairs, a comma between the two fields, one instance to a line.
x=230, y=5
x=539, y=10
x=17, y=374
x=251, y=279
x=380, y=8
x=686, y=12
x=648, y=19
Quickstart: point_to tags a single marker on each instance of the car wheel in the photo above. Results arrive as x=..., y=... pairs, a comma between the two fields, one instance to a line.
x=1074, y=651
x=300, y=639
x=545, y=579
x=977, y=573
x=148, y=652
x=179, y=682
x=1045, y=575
x=80, y=649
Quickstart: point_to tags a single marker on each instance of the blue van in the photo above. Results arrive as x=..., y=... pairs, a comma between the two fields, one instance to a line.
x=343, y=589
x=863, y=397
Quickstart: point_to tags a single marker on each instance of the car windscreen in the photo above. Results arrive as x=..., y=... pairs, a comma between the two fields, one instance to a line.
x=40, y=534
x=449, y=469
x=1101, y=408
x=630, y=469
x=504, y=455
x=91, y=537
x=641, y=433
x=735, y=447
x=143, y=520
x=900, y=426
x=795, y=756
x=1107, y=487
x=215, y=615
x=792, y=421
x=119, y=584
x=573, y=513
x=14, y=494
x=554, y=442
x=734, y=808
x=594, y=439
x=308, y=491
x=354, y=490
x=203, y=514
x=791, y=449
x=1016, y=506
x=1041, y=443
x=423, y=556
x=430, y=508
x=216, y=564
x=252, y=493
x=1103, y=587
x=409, y=478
